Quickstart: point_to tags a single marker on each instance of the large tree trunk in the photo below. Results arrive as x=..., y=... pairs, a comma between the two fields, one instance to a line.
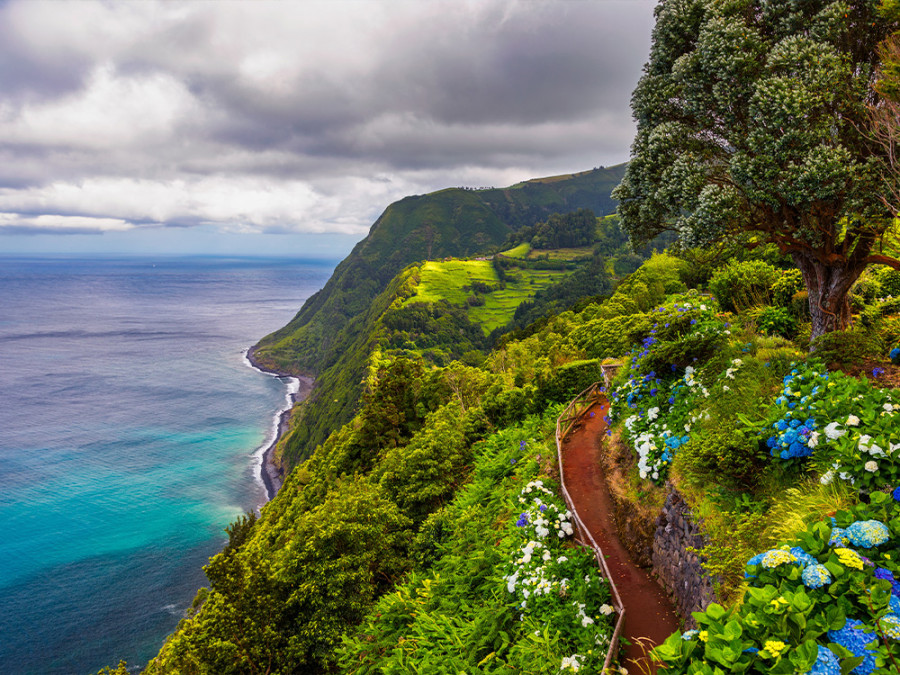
x=828, y=287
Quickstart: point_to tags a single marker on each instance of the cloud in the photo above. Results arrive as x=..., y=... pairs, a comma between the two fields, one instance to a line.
x=14, y=223
x=312, y=116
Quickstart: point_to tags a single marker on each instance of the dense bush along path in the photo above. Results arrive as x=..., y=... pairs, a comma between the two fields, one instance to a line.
x=649, y=616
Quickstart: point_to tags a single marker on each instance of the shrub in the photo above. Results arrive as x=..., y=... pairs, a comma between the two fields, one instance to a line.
x=889, y=329
x=848, y=347
x=739, y=285
x=611, y=337
x=866, y=290
x=777, y=321
x=725, y=455
x=889, y=279
x=784, y=288
x=564, y=383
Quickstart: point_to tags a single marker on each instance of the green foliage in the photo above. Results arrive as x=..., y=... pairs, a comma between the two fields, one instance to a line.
x=800, y=305
x=611, y=337
x=421, y=476
x=647, y=287
x=786, y=286
x=803, y=602
x=433, y=327
x=731, y=538
x=283, y=610
x=850, y=347
x=888, y=280
x=777, y=321
x=567, y=381
x=724, y=455
x=781, y=151
x=567, y=230
x=239, y=530
x=743, y=284
x=459, y=614
x=122, y=669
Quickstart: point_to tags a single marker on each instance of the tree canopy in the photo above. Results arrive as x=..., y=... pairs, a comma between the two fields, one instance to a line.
x=752, y=117
x=885, y=113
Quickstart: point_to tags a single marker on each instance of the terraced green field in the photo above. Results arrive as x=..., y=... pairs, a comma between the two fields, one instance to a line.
x=446, y=281
x=559, y=253
x=520, y=251
x=500, y=306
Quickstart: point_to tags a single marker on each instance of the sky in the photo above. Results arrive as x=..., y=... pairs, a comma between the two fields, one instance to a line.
x=286, y=128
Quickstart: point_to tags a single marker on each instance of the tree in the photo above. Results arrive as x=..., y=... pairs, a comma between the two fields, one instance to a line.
x=751, y=117
x=885, y=112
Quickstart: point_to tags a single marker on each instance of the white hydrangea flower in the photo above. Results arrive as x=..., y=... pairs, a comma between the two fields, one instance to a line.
x=853, y=421
x=834, y=432
x=871, y=466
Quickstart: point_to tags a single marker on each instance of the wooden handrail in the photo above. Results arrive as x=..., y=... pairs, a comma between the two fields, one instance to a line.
x=564, y=425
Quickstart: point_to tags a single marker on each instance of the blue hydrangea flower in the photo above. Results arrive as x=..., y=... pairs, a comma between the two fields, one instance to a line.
x=887, y=575
x=826, y=663
x=853, y=638
x=838, y=537
x=890, y=624
x=896, y=494
x=816, y=576
x=690, y=634
x=803, y=558
x=894, y=604
x=868, y=533
x=755, y=560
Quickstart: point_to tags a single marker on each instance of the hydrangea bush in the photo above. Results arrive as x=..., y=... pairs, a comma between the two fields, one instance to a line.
x=827, y=604
x=849, y=426
x=660, y=399
x=559, y=585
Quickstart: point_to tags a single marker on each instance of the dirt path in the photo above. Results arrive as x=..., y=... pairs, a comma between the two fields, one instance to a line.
x=649, y=616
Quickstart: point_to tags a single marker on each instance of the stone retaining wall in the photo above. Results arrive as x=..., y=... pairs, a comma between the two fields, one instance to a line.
x=679, y=571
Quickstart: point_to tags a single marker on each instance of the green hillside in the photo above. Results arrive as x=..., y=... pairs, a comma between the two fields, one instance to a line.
x=327, y=335
x=454, y=222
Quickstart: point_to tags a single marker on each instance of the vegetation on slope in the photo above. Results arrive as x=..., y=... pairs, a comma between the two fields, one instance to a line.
x=396, y=509
x=421, y=309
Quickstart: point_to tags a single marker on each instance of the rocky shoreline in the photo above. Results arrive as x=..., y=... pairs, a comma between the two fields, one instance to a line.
x=272, y=475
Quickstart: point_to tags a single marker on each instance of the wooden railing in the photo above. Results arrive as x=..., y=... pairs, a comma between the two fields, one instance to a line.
x=564, y=425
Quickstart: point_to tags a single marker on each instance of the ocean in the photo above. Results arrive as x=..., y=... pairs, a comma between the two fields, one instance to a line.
x=129, y=418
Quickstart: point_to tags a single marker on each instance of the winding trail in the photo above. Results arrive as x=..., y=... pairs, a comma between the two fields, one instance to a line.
x=649, y=615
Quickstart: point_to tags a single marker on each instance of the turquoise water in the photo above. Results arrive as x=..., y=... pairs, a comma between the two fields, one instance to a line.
x=127, y=431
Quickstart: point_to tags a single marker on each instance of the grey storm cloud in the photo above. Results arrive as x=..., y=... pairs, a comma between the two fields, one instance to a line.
x=305, y=116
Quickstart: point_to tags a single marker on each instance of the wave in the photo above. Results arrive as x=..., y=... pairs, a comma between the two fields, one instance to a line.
x=292, y=388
